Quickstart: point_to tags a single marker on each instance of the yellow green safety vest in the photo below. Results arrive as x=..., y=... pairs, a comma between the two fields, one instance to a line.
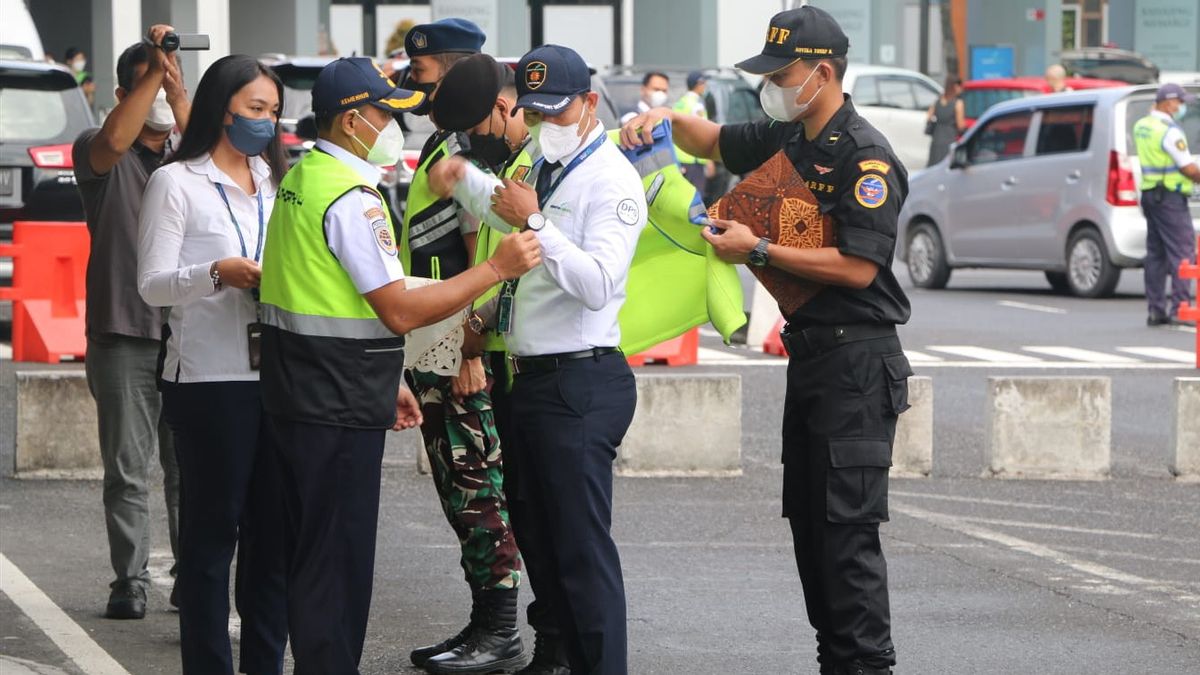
x=518, y=169
x=326, y=357
x=431, y=243
x=686, y=104
x=1158, y=167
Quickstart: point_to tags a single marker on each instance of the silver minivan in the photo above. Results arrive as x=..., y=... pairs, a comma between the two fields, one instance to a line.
x=1047, y=183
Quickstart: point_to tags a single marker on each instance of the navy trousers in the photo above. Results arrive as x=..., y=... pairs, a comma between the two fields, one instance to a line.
x=567, y=425
x=1170, y=240
x=331, y=493
x=230, y=497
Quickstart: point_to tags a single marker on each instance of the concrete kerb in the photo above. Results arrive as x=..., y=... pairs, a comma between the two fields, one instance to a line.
x=1049, y=427
x=685, y=424
x=912, y=453
x=1185, y=437
x=56, y=430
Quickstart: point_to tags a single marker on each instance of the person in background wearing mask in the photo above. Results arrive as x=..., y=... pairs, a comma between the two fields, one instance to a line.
x=1056, y=77
x=847, y=378
x=76, y=60
x=335, y=309
x=573, y=394
x=201, y=236
x=695, y=169
x=460, y=429
x=112, y=165
x=1169, y=175
x=654, y=94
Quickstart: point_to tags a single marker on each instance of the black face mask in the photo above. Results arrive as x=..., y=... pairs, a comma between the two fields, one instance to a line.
x=491, y=150
x=426, y=88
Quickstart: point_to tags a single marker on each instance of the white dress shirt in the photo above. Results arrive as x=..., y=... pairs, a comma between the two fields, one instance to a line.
x=185, y=227
x=593, y=220
x=1173, y=140
x=354, y=229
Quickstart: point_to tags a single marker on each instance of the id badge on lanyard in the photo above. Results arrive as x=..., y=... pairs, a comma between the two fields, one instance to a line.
x=254, y=330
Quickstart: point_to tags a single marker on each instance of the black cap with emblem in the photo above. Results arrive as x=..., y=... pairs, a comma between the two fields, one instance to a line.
x=803, y=33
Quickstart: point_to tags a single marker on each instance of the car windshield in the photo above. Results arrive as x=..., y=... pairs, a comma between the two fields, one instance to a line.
x=37, y=109
x=977, y=101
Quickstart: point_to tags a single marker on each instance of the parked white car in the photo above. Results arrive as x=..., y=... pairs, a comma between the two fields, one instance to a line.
x=895, y=101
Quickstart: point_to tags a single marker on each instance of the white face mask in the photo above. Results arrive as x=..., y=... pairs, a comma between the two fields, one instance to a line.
x=556, y=142
x=78, y=65
x=161, y=117
x=780, y=103
x=657, y=99
x=389, y=144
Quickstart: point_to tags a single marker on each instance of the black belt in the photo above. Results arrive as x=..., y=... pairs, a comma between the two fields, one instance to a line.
x=806, y=342
x=551, y=362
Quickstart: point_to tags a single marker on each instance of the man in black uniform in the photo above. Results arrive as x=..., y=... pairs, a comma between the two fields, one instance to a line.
x=847, y=378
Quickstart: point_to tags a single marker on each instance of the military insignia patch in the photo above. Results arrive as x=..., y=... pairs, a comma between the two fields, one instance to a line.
x=875, y=165
x=822, y=169
x=535, y=75
x=419, y=40
x=834, y=137
x=383, y=237
x=520, y=173
x=871, y=191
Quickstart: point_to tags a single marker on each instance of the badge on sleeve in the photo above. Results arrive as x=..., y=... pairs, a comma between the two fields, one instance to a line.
x=383, y=233
x=871, y=191
x=628, y=211
x=1181, y=144
x=875, y=165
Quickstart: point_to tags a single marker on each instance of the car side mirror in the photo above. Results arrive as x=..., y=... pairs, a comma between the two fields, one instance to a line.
x=959, y=158
x=306, y=127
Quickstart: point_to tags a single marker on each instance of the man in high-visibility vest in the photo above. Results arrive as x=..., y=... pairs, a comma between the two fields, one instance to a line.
x=1169, y=175
x=439, y=240
x=695, y=169
x=334, y=312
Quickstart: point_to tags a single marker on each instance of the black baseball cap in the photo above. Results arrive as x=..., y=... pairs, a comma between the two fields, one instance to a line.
x=467, y=94
x=694, y=78
x=442, y=36
x=803, y=33
x=549, y=78
x=354, y=81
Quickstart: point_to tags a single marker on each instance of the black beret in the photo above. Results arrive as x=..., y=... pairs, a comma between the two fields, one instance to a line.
x=467, y=93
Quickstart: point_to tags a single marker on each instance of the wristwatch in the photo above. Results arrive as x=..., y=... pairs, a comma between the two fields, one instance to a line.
x=215, y=275
x=475, y=323
x=759, y=257
x=535, y=222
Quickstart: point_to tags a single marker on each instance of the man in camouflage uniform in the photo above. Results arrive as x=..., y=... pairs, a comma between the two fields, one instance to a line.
x=459, y=426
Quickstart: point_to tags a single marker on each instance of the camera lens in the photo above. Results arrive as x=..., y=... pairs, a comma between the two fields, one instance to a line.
x=170, y=42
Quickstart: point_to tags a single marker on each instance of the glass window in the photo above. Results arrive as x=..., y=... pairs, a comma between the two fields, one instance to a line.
x=895, y=92
x=865, y=92
x=977, y=101
x=1065, y=130
x=926, y=95
x=1003, y=138
x=32, y=115
x=1138, y=107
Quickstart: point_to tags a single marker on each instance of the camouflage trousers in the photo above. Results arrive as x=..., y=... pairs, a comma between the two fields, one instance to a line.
x=468, y=471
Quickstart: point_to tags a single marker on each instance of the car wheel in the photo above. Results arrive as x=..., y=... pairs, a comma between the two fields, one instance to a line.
x=1090, y=272
x=1058, y=282
x=927, y=266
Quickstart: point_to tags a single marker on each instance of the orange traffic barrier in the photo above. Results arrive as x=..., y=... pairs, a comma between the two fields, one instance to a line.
x=1191, y=270
x=48, y=290
x=773, y=343
x=681, y=351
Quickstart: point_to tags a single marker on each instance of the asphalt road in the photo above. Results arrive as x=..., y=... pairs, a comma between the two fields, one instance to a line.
x=987, y=576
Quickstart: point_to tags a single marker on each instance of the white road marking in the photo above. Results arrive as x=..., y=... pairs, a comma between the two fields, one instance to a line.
x=70, y=638
x=1046, y=553
x=1076, y=354
x=1164, y=353
x=914, y=355
x=1076, y=530
x=1033, y=308
x=709, y=332
x=5, y=351
x=1001, y=502
x=1049, y=365
x=718, y=357
x=984, y=354
x=160, y=576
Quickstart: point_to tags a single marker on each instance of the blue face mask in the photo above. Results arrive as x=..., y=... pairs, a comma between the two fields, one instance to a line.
x=250, y=137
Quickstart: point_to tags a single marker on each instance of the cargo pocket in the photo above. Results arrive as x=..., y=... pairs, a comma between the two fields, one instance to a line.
x=898, y=372
x=856, y=487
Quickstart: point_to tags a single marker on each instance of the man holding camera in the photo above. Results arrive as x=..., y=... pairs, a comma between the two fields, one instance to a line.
x=112, y=165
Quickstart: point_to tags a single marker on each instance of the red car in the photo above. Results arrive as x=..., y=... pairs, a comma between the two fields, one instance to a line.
x=979, y=95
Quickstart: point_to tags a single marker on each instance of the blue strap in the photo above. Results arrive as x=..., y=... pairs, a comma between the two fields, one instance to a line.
x=237, y=228
x=544, y=195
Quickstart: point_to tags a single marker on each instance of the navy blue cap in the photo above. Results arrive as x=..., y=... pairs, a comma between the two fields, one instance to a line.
x=549, y=77
x=1171, y=92
x=444, y=35
x=694, y=78
x=354, y=81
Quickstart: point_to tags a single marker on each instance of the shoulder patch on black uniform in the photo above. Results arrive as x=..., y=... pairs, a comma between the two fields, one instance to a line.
x=871, y=191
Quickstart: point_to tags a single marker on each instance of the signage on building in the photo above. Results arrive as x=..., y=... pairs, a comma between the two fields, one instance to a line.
x=991, y=61
x=1165, y=32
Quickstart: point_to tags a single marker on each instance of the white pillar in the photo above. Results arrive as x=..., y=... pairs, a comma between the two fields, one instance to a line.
x=116, y=24
x=210, y=17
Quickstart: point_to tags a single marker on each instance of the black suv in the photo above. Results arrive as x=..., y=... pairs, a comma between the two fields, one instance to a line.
x=42, y=111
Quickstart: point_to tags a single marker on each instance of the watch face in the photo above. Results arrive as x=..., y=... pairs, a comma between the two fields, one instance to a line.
x=535, y=222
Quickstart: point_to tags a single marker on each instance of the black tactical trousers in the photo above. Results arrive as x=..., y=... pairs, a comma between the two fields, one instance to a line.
x=839, y=422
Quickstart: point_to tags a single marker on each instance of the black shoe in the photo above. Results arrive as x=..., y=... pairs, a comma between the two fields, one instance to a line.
x=126, y=601
x=493, y=645
x=421, y=655
x=1157, y=320
x=174, y=599
x=549, y=657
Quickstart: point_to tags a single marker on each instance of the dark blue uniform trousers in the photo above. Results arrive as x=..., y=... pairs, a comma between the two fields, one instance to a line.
x=231, y=496
x=567, y=425
x=1170, y=239
x=331, y=489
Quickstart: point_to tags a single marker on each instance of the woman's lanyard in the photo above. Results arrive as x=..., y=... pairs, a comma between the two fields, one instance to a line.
x=262, y=226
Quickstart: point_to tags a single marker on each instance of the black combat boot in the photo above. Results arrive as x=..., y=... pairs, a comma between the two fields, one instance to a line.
x=549, y=657
x=493, y=645
x=423, y=654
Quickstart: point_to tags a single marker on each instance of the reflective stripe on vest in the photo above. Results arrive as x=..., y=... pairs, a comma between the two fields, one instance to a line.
x=519, y=168
x=427, y=217
x=325, y=326
x=1158, y=167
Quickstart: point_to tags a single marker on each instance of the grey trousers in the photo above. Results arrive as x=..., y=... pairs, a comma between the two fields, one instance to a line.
x=121, y=374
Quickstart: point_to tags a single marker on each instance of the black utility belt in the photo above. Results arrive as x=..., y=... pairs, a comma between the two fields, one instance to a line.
x=814, y=340
x=552, y=362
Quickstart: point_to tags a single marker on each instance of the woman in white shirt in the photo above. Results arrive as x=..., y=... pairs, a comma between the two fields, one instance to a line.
x=202, y=228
